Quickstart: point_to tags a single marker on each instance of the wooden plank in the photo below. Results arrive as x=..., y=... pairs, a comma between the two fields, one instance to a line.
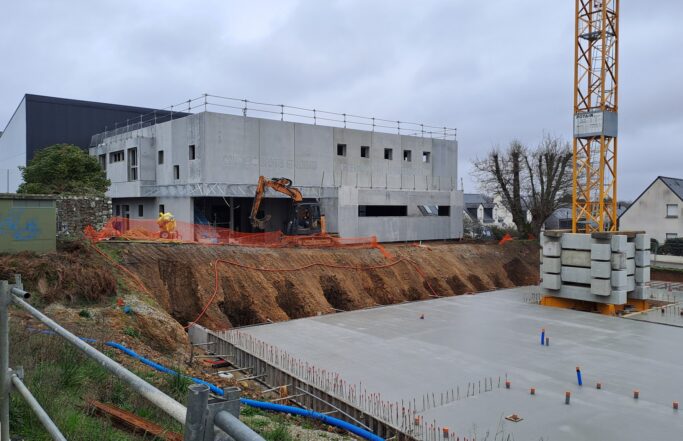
x=133, y=422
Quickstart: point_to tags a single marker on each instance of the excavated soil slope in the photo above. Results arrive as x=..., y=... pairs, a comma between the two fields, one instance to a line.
x=183, y=280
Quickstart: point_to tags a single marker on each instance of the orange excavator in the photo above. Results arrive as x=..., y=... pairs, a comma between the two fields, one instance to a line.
x=304, y=218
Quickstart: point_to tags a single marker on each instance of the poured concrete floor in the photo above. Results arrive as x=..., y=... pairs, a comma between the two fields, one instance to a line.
x=466, y=339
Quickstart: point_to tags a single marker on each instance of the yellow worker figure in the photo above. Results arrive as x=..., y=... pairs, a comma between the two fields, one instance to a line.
x=167, y=226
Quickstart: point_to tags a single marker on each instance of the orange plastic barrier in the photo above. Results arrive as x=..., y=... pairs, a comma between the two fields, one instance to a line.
x=149, y=230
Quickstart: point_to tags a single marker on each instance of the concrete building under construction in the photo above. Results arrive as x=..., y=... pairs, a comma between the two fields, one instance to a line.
x=204, y=167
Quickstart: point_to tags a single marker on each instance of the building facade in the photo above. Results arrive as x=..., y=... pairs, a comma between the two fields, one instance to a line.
x=42, y=121
x=657, y=211
x=204, y=167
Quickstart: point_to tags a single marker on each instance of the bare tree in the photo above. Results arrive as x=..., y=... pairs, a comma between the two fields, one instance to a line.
x=538, y=180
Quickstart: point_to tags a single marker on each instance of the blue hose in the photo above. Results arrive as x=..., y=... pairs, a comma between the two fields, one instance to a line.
x=314, y=415
x=336, y=422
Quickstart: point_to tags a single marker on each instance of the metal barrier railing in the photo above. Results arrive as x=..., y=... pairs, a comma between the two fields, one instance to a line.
x=198, y=419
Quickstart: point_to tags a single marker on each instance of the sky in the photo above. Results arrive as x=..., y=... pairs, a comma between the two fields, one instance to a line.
x=497, y=70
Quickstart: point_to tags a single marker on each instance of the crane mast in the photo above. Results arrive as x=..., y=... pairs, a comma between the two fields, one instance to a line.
x=594, y=187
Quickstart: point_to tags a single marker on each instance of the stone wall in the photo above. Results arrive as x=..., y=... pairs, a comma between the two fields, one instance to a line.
x=74, y=213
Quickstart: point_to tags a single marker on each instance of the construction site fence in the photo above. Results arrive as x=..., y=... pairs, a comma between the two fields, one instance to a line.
x=184, y=232
x=198, y=419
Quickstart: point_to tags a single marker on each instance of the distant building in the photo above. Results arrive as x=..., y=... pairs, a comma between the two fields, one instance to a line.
x=203, y=168
x=658, y=210
x=489, y=211
x=42, y=121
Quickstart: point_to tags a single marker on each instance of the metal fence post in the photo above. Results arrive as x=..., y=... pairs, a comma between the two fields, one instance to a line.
x=195, y=421
x=4, y=360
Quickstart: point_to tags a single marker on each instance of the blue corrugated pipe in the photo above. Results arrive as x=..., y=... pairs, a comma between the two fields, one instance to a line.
x=336, y=422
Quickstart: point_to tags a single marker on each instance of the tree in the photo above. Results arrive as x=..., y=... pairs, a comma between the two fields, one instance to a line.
x=63, y=168
x=538, y=180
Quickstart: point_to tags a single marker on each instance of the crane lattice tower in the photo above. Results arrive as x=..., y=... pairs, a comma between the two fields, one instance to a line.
x=594, y=190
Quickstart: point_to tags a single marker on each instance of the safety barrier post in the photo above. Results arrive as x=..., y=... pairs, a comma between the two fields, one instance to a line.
x=4, y=360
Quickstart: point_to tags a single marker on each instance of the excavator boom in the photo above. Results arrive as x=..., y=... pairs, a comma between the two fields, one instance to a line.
x=281, y=185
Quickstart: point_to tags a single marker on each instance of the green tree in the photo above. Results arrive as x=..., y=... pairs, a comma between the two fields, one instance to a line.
x=63, y=168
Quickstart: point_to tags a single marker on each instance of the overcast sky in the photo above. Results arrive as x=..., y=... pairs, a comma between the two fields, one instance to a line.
x=496, y=69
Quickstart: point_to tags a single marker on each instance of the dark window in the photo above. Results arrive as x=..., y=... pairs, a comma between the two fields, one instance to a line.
x=125, y=211
x=141, y=210
x=176, y=172
x=388, y=154
x=407, y=155
x=116, y=156
x=118, y=210
x=133, y=164
x=428, y=210
x=160, y=157
x=425, y=156
x=364, y=151
x=162, y=209
x=444, y=210
x=103, y=161
x=382, y=210
x=193, y=152
x=341, y=149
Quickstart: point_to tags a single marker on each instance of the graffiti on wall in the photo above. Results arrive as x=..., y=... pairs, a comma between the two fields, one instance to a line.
x=14, y=226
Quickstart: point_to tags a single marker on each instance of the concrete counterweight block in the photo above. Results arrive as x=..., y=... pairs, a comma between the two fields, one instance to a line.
x=576, y=275
x=551, y=281
x=642, y=274
x=552, y=249
x=619, y=280
x=601, y=251
x=642, y=258
x=619, y=242
x=601, y=287
x=576, y=258
x=642, y=292
x=600, y=270
x=630, y=283
x=630, y=250
x=551, y=265
x=642, y=242
x=619, y=261
x=630, y=266
x=575, y=241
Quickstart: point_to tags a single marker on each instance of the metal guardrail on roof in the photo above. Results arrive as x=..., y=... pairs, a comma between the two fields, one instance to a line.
x=282, y=112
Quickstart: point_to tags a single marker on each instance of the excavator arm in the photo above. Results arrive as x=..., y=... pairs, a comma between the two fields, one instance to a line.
x=281, y=185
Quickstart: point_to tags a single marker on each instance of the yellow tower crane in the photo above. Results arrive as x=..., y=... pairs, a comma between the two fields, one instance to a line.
x=594, y=191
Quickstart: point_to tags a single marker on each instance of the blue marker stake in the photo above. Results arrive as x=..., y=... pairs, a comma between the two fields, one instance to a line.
x=578, y=376
x=542, y=336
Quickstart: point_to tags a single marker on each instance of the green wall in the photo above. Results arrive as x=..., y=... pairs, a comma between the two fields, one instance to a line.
x=27, y=224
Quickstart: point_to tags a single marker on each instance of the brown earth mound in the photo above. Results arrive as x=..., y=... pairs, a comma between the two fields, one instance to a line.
x=182, y=277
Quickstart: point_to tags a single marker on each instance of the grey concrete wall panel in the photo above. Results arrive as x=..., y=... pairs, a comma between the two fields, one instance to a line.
x=600, y=287
x=551, y=281
x=601, y=251
x=642, y=241
x=600, y=270
x=576, y=275
x=576, y=258
x=276, y=153
x=642, y=258
x=619, y=243
x=314, y=160
x=576, y=241
x=642, y=274
x=551, y=265
x=619, y=279
x=552, y=249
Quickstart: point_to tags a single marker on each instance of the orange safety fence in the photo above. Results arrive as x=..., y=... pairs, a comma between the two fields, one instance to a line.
x=185, y=232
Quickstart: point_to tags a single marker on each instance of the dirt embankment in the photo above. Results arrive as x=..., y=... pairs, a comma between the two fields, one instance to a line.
x=183, y=278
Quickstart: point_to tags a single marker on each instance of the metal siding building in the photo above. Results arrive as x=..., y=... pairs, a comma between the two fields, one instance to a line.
x=42, y=121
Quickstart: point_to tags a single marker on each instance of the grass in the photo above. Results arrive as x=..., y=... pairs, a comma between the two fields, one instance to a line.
x=62, y=379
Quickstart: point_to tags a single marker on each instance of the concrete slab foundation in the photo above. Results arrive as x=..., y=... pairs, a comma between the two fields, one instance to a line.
x=449, y=368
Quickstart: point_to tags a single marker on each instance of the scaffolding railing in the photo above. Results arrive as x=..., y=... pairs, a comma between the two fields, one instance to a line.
x=282, y=112
x=198, y=419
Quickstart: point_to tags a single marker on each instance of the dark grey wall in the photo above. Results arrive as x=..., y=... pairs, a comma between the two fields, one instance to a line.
x=52, y=120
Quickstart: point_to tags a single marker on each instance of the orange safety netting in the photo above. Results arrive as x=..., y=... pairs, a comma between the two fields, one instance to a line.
x=185, y=232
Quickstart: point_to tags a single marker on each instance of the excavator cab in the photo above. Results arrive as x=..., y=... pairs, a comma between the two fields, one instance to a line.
x=304, y=219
